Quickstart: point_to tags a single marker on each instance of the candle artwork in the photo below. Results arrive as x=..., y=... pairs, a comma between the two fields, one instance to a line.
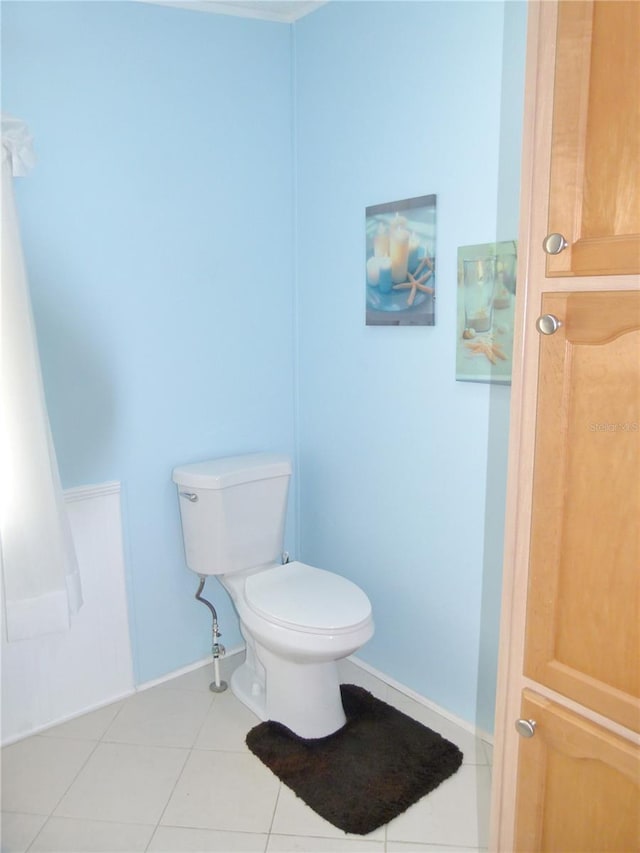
x=414, y=253
x=398, y=222
x=381, y=242
x=400, y=265
x=379, y=273
x=373, y=271
x=384, y=270
x=399, y=252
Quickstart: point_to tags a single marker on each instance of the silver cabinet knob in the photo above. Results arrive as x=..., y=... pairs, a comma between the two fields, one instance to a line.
x=554, y=243
x=190, y=496
x=526, y=728
x=548, y=324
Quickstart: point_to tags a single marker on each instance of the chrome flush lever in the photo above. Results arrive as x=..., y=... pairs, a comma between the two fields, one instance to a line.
x=190, y=496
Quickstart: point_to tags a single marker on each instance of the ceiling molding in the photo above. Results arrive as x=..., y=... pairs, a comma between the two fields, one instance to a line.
x=281, y=11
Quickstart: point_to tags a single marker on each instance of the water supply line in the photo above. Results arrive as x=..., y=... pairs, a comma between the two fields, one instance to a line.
x=217, y=649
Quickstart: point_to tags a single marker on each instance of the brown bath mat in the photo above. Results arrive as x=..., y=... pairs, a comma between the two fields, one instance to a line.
x=365, y=774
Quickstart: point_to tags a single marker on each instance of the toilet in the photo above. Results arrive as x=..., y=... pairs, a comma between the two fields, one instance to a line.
x=297, y=621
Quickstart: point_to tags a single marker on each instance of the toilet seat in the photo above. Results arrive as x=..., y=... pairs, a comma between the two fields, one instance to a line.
x=303, y=598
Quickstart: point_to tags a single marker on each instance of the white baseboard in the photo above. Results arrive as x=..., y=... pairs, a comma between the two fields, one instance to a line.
x=391, y=682
x=422, y=700
x=119, y=697
x=58, y=722
x=235, y=650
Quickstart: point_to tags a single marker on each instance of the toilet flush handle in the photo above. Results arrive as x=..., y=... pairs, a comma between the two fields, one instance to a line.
x=190, y=496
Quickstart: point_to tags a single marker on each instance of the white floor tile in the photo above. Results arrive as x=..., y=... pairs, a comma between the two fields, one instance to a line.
x=170, y=839
x=37, y=771
x=294, y=817
x=89, y=726
x=17, y=831
x=66, y=835
x=306, y=844
x=111, y=775
x=455, y=814
x=231, y=791
x=158, y=717
x=124, y=783
x=226, y=725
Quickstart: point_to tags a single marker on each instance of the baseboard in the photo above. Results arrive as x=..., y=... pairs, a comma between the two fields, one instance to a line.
x=118, y=698
x=235, y=650
x=391, y=682
x=422, y=700
x=145, y=685
x=59, y=722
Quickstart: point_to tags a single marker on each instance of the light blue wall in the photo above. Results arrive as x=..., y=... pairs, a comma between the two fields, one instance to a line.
x=158, y=234
x=162, y=230
x=509, y=161
x=396, y=100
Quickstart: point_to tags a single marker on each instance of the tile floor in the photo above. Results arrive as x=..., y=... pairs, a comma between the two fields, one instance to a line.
x=168, y=770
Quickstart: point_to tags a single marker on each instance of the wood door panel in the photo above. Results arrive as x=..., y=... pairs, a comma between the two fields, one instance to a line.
x=571, y=583
x=578, y=785
x=598, y=319
x=583, y=612
x=594, y=197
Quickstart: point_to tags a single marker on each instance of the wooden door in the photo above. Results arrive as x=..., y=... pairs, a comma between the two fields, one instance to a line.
x=578, y=785
x=570, y=631
x=594, y=199
x=583, y=603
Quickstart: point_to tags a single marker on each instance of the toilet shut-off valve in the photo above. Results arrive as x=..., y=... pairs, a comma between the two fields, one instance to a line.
x=217, y=649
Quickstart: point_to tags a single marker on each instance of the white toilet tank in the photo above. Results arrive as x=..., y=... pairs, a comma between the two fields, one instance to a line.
x=233, y=511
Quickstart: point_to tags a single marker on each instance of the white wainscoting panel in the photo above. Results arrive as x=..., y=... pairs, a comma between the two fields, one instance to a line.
x=58, y=676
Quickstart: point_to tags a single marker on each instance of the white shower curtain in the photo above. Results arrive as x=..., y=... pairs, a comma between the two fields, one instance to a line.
x=39, y=566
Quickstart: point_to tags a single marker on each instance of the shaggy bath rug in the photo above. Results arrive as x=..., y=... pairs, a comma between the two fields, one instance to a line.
x=365, y=774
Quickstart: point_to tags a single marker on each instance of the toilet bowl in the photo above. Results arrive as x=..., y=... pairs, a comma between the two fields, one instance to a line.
x=297, y=621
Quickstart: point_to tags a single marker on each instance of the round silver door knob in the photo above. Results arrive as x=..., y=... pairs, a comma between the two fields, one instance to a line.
x=548, y=324
x=554, y=243
x=526, y=728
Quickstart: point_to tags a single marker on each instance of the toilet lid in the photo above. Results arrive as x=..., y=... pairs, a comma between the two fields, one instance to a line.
x=303, y=597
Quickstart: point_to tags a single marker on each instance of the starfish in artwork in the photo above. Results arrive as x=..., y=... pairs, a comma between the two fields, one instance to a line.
x=425, y=262
x=488, y=347
x=414, y=284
